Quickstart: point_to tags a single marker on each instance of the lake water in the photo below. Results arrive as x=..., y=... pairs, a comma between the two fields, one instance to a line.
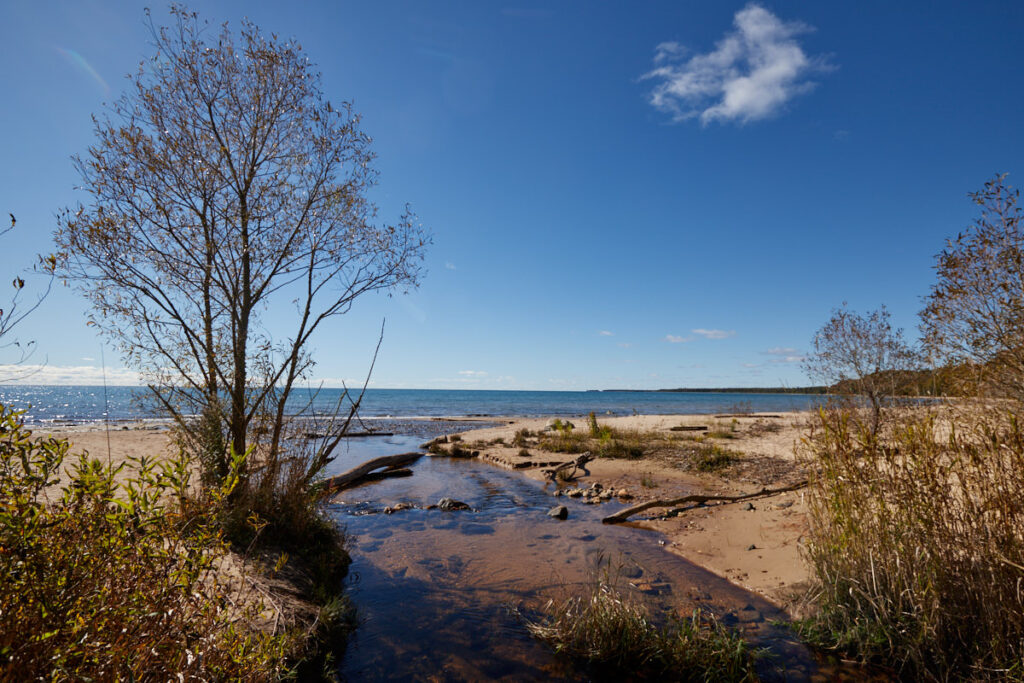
x=91, y=403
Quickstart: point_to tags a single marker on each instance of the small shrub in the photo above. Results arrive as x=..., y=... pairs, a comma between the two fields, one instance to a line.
x=454, y=438
x=521, y=438
x=564, y=442
x=615, y=448
x=712, y=458
x=614, y=635
x=523, y=453
x=647, y=480
x=458, y=451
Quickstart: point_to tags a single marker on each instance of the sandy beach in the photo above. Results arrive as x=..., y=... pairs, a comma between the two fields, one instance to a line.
x=753, y=544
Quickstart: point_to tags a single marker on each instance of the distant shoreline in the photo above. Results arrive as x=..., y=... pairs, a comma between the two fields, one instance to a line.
x=809, y=391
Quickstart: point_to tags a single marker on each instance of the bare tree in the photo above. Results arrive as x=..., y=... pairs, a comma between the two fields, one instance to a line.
x=16, y=310
x=222, y=186
x=974, y=315
x=861, y=354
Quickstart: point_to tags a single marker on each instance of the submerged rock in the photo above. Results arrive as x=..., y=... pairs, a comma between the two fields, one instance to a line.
x=450, y=505
x=559, y=512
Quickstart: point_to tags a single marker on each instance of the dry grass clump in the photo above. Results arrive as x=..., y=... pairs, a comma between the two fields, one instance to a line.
x=616, y=639
x=564, y=441
x=116, y=581
x=917, y=543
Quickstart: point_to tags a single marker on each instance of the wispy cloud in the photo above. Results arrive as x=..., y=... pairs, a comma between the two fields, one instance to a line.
x=472, y=373
x=787, y=359
x=781, y=351
x=784, y=354
x=606, y=333
x=675, y=339
x=623, y=345
x=449, y=265
x=714, y=334
x=752, y=73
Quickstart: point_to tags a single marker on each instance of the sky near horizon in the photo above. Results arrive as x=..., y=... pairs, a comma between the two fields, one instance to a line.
x=621, y=195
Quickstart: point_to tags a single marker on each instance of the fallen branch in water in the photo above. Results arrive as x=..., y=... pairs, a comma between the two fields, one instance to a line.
x=623, y=515
x=577, y=464
x=365, y=472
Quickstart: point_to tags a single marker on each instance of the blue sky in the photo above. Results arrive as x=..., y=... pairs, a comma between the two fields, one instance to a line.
x=627, y=195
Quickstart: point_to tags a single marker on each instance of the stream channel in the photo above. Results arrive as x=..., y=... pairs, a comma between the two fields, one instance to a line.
x=436, y=591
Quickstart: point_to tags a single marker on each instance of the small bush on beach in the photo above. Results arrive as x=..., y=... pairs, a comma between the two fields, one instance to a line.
x=521, y=438
x=621, y=448
x=916, y=543
x=614, y=637
x=565, y=441
x=712, y=458
x=116, y=581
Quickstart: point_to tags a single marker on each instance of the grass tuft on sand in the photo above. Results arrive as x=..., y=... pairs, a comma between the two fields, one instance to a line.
x=614, y=638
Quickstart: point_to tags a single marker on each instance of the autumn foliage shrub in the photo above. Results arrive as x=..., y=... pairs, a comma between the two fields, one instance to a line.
x=106, y=579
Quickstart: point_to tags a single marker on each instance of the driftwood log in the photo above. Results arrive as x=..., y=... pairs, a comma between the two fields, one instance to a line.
x=393, y=467
x=623, y=515
x=577, y=464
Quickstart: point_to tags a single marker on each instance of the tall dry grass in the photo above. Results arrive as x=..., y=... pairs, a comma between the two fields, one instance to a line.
x=917, y=542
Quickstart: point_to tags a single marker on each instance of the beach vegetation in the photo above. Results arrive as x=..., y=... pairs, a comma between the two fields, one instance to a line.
x=915, y=543
x=522, y=437
x=711, y=458
x=564, y=441
x=114, y=576
x=613, y=636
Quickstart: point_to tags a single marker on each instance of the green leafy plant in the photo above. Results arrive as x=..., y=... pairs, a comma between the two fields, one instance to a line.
x=113, y=578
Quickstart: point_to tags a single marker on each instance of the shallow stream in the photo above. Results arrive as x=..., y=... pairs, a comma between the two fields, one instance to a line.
x=436, y=591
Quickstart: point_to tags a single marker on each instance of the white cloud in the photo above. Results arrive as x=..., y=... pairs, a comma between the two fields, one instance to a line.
x=675, y=339
x=473, y=373
x=752, y=73
x=714, y=334
x=606, y=333
x=781, y=351
x=449, y=265
x=67, y=374
x=784, y=354
x=750, y=365
x=624, y=345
